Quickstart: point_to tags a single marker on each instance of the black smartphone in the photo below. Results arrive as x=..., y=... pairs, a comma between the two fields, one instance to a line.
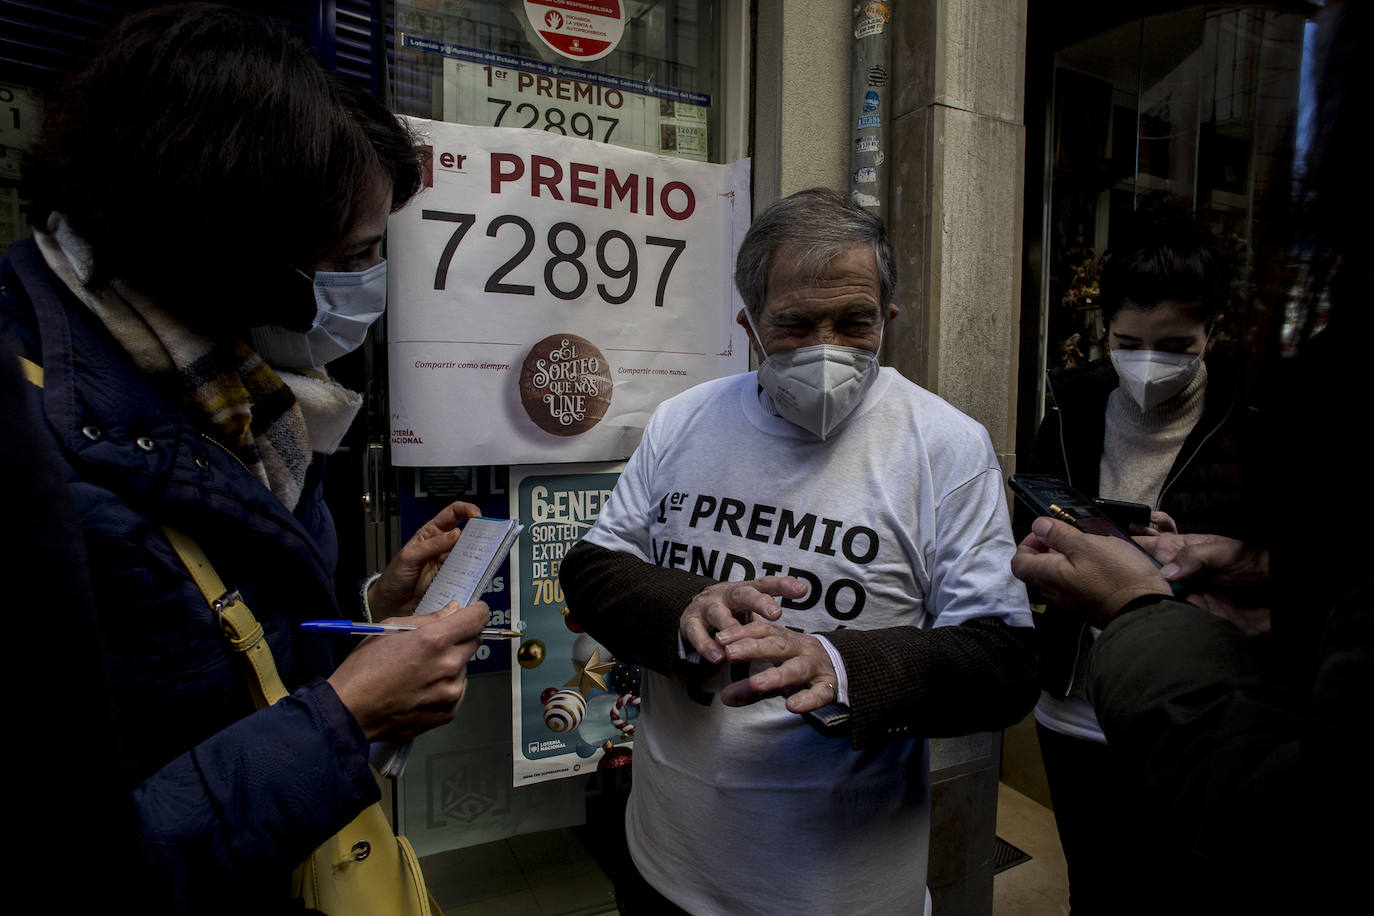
x=1125, y=514
x=1052, y=496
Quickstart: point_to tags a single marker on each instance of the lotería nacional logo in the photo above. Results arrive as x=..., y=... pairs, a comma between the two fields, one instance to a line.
x=565, y=385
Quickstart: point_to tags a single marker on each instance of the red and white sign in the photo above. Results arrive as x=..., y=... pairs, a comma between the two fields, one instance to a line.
x=580, y=29
x=545, y=293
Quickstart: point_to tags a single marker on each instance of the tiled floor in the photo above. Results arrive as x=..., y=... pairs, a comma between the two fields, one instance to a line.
x=552, y=872
x=1039, y=887
x=537, y=874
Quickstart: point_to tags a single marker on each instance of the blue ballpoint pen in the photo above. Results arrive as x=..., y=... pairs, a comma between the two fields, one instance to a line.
x=381, y=629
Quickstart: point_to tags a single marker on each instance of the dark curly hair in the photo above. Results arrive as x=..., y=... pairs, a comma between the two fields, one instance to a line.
x=204, y=152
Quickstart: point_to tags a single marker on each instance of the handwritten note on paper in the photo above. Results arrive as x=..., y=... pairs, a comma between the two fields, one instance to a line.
x=464, y=575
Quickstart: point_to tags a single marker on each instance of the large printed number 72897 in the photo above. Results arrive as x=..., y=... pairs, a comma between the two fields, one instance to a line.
x=567, y=244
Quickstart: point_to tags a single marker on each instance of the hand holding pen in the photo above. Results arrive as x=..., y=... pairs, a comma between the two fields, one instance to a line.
x=398, y=688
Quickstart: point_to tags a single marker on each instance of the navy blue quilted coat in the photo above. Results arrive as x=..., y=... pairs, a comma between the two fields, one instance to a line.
x=230, y=797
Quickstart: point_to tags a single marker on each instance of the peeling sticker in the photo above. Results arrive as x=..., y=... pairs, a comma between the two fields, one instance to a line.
x=878, y=10
x=864, y=200
x=870, y=120
x=868, y=27
x=867, y=175
x=867, y=145
x=877, y=76
x=871, y=101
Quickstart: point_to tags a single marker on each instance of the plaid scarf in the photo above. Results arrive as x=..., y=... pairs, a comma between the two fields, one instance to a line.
x=272, y=421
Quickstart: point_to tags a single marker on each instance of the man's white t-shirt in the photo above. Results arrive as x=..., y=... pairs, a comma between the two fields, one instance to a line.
x=898, y=519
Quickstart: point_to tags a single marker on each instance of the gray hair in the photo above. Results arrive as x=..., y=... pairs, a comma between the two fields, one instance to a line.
x=818, y=225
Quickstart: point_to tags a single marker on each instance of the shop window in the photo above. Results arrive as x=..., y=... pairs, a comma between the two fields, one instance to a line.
x=489, y=62
x=1196, y=106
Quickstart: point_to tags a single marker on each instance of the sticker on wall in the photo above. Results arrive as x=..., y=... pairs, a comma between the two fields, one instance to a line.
x=868, y=27
x=870, y=120
x=877, y=76
x=865, y=200
x=871, y=101
x=876, y=16
x=866, y=144
x=866, y=175
x=878, y=10
x=580, y=29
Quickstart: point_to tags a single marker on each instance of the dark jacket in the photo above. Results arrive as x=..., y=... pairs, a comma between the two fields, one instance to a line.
x=232, y=797
x=1257, y=786
x=1204, y=492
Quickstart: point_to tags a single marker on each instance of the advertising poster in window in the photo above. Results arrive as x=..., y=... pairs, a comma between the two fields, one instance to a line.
x=547, y=292
x=574, y=704
x=503, y=90
x=21, y=113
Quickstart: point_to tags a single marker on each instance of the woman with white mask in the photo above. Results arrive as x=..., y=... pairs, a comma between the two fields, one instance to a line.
x=1156, y=423
x=209, y=208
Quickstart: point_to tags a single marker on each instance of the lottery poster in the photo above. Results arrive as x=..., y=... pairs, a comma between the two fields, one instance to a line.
x=546, y=293
x=483, y=87
x=574, y=705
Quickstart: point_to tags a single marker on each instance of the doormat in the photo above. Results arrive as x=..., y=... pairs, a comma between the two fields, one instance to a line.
x=1005, y=855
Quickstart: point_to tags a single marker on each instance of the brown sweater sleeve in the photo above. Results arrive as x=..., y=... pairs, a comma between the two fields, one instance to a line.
x=629, y=606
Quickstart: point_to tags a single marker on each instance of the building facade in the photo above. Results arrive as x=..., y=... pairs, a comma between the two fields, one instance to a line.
x=1001, y=117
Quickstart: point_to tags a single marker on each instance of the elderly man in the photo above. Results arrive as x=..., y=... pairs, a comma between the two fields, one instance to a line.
x=875, y=512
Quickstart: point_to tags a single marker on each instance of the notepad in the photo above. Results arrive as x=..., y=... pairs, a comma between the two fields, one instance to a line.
x=465, y=574
x=471, y=564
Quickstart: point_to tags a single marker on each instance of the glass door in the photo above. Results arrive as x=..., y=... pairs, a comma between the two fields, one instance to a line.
x=1197, y=106
x=647, y=75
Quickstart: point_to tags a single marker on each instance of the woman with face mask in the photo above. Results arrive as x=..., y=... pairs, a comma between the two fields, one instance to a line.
x=1157, y=423
x=209, y=206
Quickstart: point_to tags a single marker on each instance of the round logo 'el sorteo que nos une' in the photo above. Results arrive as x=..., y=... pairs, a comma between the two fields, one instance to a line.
x=565, y=385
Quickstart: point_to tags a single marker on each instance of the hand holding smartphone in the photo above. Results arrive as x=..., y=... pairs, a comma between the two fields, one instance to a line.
x=1125, y=514
x=1053, y=497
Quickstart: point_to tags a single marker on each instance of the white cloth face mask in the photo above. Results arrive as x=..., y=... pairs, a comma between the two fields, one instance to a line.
x=1152, y=377
x=817, y=387
x=347, y=303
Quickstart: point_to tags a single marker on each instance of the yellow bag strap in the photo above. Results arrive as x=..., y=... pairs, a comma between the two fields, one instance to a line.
x=242, y=629
x=32, y=371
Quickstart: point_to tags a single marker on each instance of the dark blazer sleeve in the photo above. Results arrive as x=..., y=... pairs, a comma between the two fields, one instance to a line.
x=906, y=682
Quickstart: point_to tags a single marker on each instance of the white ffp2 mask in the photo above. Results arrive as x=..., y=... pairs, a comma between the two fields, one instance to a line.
x=1152, y=377
x=818, y=387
